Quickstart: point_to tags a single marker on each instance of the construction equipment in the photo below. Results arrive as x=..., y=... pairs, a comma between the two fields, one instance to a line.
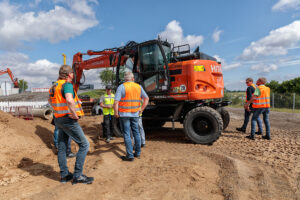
x=14, y=80
x=182, y=86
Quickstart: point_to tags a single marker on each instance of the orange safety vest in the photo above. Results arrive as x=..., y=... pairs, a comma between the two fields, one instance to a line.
x=132, y=101
x=59, y=103
x=263, y=101
x=252, y=93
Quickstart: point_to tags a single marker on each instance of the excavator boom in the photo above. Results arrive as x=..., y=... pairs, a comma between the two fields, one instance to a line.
x=13, y=79
x=103, y=59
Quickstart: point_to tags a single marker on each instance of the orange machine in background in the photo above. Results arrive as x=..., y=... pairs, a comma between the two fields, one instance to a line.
x=14, y=80
x=183, y=86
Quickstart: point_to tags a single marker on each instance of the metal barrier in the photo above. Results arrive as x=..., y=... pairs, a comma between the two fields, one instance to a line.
x=278, y=100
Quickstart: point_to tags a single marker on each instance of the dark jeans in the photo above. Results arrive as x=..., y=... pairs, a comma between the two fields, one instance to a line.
x=127, y=124
x=70, y=128
x=55, y=140
x=257, y=112
x=246, y=120
x=108, y=125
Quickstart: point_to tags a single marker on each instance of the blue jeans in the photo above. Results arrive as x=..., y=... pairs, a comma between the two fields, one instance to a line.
x=127, y=125
x=257, y=112
x=246, y=120
x=55, y=140
x=70, y=128
x=142, y=132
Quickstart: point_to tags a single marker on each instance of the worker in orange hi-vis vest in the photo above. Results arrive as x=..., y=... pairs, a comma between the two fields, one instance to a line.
x=249, y=92
x=67, y=110
x=261, y=105
x=127, y=107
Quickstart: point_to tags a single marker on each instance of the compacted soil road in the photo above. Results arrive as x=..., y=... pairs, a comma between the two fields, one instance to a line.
x=170, y=166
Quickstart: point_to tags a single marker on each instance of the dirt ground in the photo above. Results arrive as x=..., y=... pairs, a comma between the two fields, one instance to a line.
x=170, y=166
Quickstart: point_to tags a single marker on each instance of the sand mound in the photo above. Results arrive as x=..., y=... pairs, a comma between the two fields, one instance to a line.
x=170, y=167
x=22, y=138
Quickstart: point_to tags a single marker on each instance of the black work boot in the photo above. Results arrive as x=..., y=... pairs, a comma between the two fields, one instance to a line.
x=266, y=137
x=258, y=133
x=66, y=178
x=83, y=179
x=125, y=158
x=241, y=130
x=250, y=137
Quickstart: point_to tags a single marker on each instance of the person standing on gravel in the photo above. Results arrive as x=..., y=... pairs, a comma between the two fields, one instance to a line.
x=127, y=107
x=249, y=92
x=67, y=110
x=261, y=105
x=107, y=102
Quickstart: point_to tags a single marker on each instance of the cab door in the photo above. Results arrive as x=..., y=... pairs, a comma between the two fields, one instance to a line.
x=154, y=72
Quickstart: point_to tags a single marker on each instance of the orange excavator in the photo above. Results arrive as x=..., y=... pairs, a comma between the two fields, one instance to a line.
x=14, y=80
x=183, y=86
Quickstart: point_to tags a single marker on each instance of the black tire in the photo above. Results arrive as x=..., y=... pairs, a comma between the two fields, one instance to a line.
x=116, y=128
x=153, y=124
x=225, y=116
x=203, y=125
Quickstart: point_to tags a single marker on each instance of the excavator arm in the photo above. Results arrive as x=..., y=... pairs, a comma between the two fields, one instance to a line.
x=101, y=59
x=13, y=79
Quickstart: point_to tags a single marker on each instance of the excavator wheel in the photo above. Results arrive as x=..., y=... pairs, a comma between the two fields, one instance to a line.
x=225, y=116
x=116, y=128
x=203, y=125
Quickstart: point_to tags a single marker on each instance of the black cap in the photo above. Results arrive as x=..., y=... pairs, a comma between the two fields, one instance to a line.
x=108, y=87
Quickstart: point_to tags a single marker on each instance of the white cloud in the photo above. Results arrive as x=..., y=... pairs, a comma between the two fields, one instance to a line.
x=226, y=66
x=40, y=73
x=174, y=34
x=216, y=35
x=264, y=68
x=282, y=5
x=276, y=43
x=59, y=23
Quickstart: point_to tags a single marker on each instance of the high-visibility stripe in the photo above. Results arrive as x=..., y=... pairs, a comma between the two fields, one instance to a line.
x=130, y=100
x=59, y=103
x=261, y=103
x=63, y=104
x=263, y=98
x=66, y=111
x=129, y=107
x=108, y=101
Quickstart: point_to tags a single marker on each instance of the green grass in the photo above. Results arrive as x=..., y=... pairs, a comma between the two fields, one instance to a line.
x=93, y=93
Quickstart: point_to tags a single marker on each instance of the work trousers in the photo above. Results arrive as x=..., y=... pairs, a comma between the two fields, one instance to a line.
x=246, y=120
x=131, y=124
x=265, y=112
x=108, y=121
x=70, y=128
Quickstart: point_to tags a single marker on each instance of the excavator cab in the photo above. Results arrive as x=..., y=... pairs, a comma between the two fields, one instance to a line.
x=154, y=57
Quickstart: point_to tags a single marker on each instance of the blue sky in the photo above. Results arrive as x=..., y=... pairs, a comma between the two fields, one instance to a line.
x=251, y=38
